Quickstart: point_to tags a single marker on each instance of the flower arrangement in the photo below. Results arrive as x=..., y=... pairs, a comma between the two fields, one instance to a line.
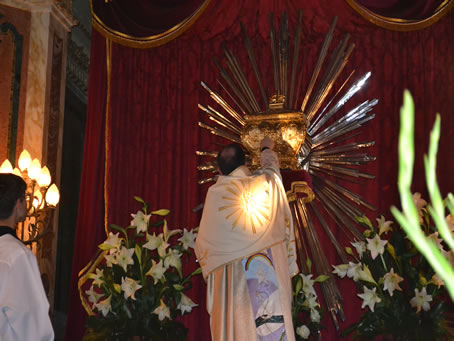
x=137, y=284
x=398, y=285
x=306, y=310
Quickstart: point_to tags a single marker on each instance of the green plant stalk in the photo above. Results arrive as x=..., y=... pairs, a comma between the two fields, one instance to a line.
x=437, y=209
x=409, y=220
x=450, y=203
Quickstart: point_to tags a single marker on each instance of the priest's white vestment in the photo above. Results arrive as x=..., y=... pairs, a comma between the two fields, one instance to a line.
x=246, y=248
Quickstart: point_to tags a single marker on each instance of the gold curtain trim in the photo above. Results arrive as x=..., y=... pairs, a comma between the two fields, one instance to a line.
x=151, y=41
x=84, y=276
x=396, y=24
x=107, y=136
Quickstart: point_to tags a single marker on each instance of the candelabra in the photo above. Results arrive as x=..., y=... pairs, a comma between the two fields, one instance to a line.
x=41, y=197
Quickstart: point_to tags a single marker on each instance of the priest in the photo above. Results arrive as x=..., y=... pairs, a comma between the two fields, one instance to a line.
x=246, y=248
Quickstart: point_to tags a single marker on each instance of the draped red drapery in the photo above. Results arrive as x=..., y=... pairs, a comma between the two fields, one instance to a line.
x=153, y=131
x=402, y=9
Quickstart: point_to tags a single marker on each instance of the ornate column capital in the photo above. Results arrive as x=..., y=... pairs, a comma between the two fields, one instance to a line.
x=62, y=12
x=60, y=9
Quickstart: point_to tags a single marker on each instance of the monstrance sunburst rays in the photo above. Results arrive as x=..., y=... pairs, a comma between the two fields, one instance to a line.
x=318, y=118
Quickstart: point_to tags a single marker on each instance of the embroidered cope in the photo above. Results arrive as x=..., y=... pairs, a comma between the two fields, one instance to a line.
x=246, y=249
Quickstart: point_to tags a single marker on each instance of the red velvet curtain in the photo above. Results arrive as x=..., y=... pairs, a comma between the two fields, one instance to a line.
x=144, y=18
x=154, y=133
x=402, y=9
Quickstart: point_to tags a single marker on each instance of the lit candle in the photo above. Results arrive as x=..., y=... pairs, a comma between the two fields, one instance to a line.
x=24, y=160
x=52, y=195
x=34, y=171
x=6, y=167
x=44, y=178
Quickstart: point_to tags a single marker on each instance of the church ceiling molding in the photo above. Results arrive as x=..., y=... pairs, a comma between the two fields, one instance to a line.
x=398, y=15
x=148, y=24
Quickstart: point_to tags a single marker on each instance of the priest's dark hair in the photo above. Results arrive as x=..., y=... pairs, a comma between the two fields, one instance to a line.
x=230, y=158
x=12, y=187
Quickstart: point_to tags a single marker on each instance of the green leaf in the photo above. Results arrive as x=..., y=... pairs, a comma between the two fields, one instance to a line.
x=299, y=284
x=309, y=264
x=450, y=203
x=321, y=278
x=178, y=287
x=422, y=280
x=367, y=233
x=162, y=212
x=391, y=251
x=349, y=251
x=364, y=221
x=138, y=252
x=197, y=271
x=117, y=287
x=139, y=199
x=105, y=246
x=119, y=228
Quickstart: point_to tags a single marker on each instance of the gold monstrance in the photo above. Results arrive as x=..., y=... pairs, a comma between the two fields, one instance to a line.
x=312, y=133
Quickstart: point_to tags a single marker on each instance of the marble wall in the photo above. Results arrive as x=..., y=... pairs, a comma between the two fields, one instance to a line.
x=14, y=47
x=45, y=28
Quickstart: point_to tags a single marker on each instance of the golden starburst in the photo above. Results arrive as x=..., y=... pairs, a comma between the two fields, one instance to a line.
x=249, y=206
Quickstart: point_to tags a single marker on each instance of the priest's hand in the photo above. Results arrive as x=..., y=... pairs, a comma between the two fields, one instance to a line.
x=267, y=142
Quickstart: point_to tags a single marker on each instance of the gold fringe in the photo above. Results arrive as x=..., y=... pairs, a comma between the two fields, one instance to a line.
x=396, y=24
x=107, y=135
x=91, y=266
x=146, y=42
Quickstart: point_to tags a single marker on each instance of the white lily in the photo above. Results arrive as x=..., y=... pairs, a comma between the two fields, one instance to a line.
x=365, y=275
x=173, y=259
x=186, y=304
x=311, y=302
x=93, y=296
x=420, y=204
x=187, y=239
x=156, y=271
x=315, y=316
x=129, y=287
x=354, y=270
x=360, y=248
x=303, y=332
x=370, y=298
x=437, y=280
x=162, y=311
x=421, y=300
x=340, y=270
x=450, y=222
x=98, y=277
x=153, y=241
x=104, y=306
x=112, y=242
x=162, y=249
x=376, y=246
x=437, y=241
x=391, y=282
x=418, y=201
x=383, y=226
x=169, y=233
x=111, y=259
x=124, y=257
x=308, y=285
x=140, y=221
x=449, y=255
